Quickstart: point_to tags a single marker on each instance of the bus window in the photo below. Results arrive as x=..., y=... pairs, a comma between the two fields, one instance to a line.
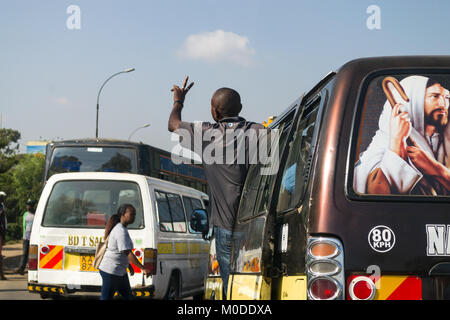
x=299, y=157
x=416, y=162
x=91, y=155
x=91, y=159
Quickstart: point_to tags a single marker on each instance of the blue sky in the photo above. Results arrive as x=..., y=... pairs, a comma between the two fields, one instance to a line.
x=269, y=51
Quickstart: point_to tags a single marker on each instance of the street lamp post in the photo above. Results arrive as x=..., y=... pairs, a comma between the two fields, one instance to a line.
x=98, y=96
x=147, y=125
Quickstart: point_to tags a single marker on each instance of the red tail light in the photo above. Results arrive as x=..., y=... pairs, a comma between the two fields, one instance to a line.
x=33, y=257
x=361, y=288
x=150, y=259
x=324, y=288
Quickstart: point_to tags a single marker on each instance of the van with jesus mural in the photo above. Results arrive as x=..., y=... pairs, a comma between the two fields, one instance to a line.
x=360, y=206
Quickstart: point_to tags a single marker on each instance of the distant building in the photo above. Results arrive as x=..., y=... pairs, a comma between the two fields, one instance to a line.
x=36, y=146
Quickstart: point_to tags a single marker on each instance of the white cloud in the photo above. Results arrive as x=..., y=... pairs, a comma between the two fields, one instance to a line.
x=60, y=100
x=218, y=46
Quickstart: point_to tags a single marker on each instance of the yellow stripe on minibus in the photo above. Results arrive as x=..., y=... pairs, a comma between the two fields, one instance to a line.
x=181, y=248
x=196, y=248
x=165, y=248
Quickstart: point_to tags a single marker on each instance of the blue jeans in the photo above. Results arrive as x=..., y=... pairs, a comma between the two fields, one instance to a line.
x=113, y=283
x=223, y=251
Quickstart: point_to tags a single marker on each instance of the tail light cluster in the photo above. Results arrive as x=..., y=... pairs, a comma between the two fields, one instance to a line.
x=150, y=257
x=33, y=257
x=325, y=269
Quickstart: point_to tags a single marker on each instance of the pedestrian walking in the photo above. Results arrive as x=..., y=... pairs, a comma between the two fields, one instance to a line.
x=3, y=227
x=225, y=178
x=118, y=255
x=27, y=224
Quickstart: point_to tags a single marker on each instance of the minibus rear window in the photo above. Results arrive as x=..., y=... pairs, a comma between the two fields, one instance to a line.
x=403, y=144
x=89, y=204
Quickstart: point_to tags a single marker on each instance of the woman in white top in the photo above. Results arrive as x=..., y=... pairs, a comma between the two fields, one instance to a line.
x=118, y=254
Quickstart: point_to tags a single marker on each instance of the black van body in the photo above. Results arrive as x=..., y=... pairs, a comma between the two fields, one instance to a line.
x=272, y=241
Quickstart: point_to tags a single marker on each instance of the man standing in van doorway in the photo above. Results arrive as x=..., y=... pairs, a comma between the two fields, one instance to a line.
x=225, y=179
x=389, y=165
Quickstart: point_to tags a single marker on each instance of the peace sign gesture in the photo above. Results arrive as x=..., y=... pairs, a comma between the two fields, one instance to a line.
x=180, y=93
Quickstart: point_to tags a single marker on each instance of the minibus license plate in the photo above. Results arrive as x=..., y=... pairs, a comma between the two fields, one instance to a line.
x=87, y=263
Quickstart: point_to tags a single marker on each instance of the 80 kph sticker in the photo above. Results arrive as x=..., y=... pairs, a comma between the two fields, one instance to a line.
x=381, y=239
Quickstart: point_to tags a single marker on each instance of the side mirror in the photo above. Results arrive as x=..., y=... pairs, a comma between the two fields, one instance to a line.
x=199, y=221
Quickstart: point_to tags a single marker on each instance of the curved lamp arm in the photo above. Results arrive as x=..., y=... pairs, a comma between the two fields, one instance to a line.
x=98, y=96
x=147, y=125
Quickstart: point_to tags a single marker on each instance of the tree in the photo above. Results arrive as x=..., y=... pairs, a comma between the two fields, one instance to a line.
x=8, y=148
x=20, y=174
x=8, y=141
x=27, y=179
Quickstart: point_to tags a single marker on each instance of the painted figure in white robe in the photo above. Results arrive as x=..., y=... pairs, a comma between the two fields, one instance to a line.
x=390, y=165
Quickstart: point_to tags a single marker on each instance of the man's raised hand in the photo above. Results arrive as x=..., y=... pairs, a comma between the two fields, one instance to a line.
x=180, y=93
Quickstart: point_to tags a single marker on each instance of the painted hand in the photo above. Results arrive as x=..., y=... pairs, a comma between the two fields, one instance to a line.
x=400, y=129
x=423, y=161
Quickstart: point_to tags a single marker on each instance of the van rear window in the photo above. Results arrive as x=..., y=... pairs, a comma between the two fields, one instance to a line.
x=404, y=136
x=89, y=204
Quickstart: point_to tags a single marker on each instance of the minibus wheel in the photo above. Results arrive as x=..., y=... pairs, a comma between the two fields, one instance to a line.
x=173, y=291
x=44, y=295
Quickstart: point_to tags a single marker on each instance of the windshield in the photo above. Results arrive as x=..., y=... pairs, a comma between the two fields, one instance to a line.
x=89, y=204
x=92, y=159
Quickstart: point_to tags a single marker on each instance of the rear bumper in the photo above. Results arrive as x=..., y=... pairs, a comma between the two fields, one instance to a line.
x=406, y=287
x=64, y=290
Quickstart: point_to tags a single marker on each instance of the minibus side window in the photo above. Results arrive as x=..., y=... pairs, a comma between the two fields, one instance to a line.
x=165, y=219
x=170, y=211
x=177, y=211
x=250, y=192
x=196, y=204
x=267, y=180
x=190, y=204
x=257, y=187
x=293, y=179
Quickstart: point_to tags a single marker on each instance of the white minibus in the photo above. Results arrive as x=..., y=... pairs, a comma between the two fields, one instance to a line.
x=70, y=221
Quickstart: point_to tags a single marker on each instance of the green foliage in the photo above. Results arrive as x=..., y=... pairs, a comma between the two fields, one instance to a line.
x=8, y=148
x=8, y=141
x=14, y=232
x=27, y=180
x=20, y=175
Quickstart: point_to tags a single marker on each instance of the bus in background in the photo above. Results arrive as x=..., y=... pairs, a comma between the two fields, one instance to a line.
x=111, y=155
